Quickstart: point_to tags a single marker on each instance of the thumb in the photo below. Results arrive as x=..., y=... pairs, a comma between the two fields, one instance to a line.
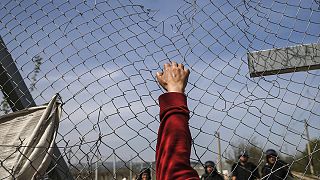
x=160, y=79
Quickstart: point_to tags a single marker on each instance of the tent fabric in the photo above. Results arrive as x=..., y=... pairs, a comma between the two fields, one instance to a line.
x=27, y=140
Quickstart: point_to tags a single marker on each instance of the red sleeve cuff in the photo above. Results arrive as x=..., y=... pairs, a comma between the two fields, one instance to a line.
x=172, y=99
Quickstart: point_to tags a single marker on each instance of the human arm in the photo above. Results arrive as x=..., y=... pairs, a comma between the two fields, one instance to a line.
x=255, y=172
x=174, y=138
x=234, y=171
x=265, y=171
x=285, y=170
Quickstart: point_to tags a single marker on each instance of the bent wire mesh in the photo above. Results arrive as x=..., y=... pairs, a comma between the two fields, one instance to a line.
x=102, y=56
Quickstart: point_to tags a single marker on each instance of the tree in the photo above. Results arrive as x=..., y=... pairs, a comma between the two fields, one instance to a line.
x=37, y=60
x=302, y=163
x=4, y=105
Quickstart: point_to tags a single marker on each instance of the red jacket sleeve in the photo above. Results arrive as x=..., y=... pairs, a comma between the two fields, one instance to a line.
x=174, y=139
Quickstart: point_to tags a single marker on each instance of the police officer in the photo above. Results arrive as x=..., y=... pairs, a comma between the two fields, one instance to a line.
x=244, y=170
x=275, y=169
x=144, y=174
x=211, y=172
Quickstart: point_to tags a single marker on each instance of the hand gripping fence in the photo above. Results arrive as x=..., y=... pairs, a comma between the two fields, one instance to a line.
x=254, y=82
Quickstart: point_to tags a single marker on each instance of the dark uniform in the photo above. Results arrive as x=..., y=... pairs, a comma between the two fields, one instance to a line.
x=277, y=171
x=248, y=171
x=214, y=175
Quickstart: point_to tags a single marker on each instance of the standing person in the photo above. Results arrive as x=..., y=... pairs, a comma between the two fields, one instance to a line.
x=210, y=172
x=144, y=174
x=243, y=169
x=275, y=169
x=174, y=137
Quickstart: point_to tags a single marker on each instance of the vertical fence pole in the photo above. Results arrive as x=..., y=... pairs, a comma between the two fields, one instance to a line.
x=219, y=152
x=151, y=170
x=97, y=167
x=114, y=166
x=309, y=148
x=130, y=172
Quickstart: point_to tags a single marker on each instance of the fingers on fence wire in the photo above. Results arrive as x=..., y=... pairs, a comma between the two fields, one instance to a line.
x=174, y=77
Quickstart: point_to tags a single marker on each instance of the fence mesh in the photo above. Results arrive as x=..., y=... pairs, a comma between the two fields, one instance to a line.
x=101, y=57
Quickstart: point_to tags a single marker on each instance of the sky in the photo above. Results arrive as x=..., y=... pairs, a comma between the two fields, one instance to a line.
x=101, y=57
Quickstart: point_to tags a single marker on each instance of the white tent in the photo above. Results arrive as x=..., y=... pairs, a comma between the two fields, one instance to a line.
x=27, y=140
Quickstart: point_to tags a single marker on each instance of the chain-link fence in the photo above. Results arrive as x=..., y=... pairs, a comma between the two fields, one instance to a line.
x=101, y=57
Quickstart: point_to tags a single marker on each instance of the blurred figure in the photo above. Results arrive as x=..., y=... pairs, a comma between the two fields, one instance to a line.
x=275, y=169
x=211, y=172
x=145, y=174
x=244, y=170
